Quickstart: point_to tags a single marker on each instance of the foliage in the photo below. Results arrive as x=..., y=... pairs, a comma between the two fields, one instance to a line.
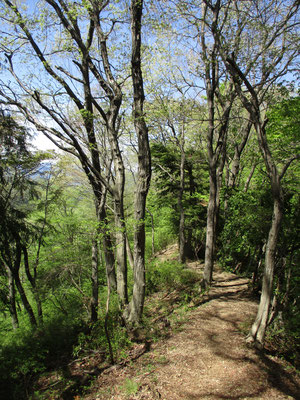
x=168, y=275
x=283, y=338
x=25, y=354
x=245, y=229
x=283, y=128
x=166, y=163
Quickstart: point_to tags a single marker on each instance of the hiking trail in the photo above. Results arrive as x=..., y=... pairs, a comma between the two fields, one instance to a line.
x=207, y=358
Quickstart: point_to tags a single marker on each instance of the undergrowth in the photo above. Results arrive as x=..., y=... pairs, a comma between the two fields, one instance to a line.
x=283, y=339
x=26, y=355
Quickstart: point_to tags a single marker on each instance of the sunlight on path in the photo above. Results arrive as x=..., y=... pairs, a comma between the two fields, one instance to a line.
x=208, y=357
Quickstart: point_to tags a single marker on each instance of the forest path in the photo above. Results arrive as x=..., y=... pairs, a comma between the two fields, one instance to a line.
x=206, y=359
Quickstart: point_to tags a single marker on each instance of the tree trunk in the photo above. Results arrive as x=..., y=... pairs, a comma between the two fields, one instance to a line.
x=12, y=300
x=258, y=329
x=129, y=253
x=216, y=133
x=182, y=239
x=120, y=228
x=247, y=183
x=219, y=177
x=33, y=280
x=107, y=248
x=152, y=231
x=135, y=310
x=95, y=281
x=210, y=228
x=24, y=299
x=15, y=269
x=121, y=253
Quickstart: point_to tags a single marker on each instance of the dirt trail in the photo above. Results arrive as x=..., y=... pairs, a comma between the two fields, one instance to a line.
x=206, y=359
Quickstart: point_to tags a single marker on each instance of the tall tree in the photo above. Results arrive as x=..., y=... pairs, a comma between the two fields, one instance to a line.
x=274, y=48
x=136, y=305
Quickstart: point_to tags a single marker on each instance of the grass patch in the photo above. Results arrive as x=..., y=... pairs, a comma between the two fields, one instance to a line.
x=130, y=387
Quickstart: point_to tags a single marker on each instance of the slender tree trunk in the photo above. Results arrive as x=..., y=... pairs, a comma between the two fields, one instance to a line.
x=215, y=183
x=239, y=147
x=95, y=281
x=182, y=239
x=219, y=178
x=107, y=333
x=107, y=246
x=235, y=167
x=210, y=228
x=258, y=263
x=152, y=231
x=287, y=286
x=24, y=299
x=12, y=299
x=33, y=280
x=120, y=227
x=129, y=253
x=109, y=261
x=247, y=183
x=135, y=310
x=121, y=257
x=259, y=327
x=15, y=269
x=234, y=172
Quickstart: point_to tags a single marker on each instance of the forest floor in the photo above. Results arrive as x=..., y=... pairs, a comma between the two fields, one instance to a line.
x=202, y=356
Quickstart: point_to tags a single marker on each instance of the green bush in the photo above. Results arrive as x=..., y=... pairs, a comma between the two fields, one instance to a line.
x=169, y=275
x=25, y=353
x=284, y=339
x=245, y=229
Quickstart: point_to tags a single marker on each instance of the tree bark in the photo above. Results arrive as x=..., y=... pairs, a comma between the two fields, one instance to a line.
x=95, y=281
x=152, y=231
x=258, y=329
x=12, y=299
x=121, y=257
x=24, y=299
x=129, y=253
x=33, y=280
x=135, y=310
x=248, y=180
x=210, y=228
x=15, y=270
x=120, y=227
x=182, y=238
x=216, y=132
x=107, y=246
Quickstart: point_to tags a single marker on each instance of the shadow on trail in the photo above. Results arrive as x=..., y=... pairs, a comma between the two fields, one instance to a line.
x=229, y=291
x=252, y=372
x=229, y=279
x=278, y=376
x=213, y=395
x=231, y=285
x=80, y=382
x=261, y=367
